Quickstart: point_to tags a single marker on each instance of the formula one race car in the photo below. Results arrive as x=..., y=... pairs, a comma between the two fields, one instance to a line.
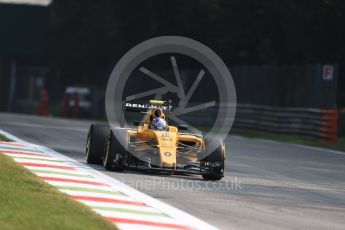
x=153, y=147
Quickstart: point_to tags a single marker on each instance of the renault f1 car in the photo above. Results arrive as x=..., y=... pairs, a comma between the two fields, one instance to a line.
x=168, y=150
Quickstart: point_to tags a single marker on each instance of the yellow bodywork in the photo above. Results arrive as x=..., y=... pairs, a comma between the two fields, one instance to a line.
x=166, y=142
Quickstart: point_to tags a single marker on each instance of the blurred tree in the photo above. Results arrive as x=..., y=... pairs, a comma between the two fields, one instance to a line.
x=88, y=37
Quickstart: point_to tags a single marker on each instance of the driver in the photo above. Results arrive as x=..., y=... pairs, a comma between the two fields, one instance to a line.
x=157, y=120
x=159, y=123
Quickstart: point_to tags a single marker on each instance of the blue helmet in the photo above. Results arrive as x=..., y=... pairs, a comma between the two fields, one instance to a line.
x=159, y=123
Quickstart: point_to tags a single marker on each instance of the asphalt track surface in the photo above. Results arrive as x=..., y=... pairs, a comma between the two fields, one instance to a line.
x=267, y=185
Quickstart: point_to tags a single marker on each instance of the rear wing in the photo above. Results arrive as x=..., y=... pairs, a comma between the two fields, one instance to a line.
x=138, y=107
x=144, y=107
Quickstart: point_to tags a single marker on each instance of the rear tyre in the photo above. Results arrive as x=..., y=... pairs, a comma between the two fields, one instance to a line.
x=215, y=161
x=95, y=143
x=116, y=150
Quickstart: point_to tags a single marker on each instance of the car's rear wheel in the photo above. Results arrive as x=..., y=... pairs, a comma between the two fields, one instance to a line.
x=215, y=161
x=116, y=150
x=95, y=143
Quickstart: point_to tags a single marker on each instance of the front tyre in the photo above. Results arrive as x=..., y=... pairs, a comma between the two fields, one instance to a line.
x=215, y=161
x=116, y=150
x=95, y=143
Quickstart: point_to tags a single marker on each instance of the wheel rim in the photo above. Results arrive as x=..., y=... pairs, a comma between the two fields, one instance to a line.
x=224, y=157
x=106, y=152
x=88, y=144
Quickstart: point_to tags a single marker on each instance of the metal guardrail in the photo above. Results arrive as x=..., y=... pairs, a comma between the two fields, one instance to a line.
x=306, y=122
x=303, y=122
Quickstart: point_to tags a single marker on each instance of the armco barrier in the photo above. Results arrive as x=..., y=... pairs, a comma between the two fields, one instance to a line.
x=305, y=122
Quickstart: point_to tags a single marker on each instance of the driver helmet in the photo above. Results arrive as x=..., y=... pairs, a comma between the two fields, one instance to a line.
x=159, y=123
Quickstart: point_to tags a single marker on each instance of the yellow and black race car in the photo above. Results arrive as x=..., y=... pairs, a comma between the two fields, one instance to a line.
x=162, y=149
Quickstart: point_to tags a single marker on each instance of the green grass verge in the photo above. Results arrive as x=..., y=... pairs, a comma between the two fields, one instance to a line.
x=26, y=202
x=2, y=138
x=340, y=145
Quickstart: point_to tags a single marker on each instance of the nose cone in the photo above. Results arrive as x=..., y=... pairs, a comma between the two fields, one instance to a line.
x=167, y=148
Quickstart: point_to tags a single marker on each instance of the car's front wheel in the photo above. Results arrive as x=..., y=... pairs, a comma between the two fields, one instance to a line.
x=95, y=143
x=215, y=161
x=116, y=150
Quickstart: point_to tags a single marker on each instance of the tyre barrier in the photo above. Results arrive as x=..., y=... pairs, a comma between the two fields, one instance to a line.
x=331, y=124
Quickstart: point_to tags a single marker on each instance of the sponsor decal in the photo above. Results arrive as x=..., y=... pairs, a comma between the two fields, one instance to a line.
x=147, y=106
